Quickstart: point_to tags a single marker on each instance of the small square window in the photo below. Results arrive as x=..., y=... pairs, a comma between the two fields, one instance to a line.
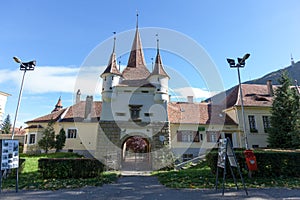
x=72, y=133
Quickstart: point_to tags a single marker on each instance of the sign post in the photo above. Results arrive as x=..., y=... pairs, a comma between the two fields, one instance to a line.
x=9, y=158
x=225, y=152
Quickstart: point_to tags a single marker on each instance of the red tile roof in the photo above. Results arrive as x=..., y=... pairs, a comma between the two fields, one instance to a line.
x=73, y=113
x=197, y=113
x=136, y=67
x=178, y=112
x=253, y=95
x=112, y=66
x=158, y=67
x=46, y=118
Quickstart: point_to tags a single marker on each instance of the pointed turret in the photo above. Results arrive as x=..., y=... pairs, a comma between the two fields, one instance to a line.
x=111, y=76
x=136, y=67
x=112, y=67
x=58, y=106
x=158, y=67
x=160, y=79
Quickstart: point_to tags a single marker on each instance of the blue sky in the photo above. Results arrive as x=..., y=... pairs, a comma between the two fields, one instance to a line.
x=60, y=35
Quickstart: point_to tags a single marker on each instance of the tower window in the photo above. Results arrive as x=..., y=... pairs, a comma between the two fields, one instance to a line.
x=135, y=112
x=112, y=78
x=105, y=78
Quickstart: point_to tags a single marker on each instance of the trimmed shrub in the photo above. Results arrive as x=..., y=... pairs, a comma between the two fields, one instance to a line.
x=62, y=168
x=269, y=163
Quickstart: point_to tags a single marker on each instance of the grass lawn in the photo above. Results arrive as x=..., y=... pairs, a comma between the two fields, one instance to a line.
x=200, y=176
x=30, y=178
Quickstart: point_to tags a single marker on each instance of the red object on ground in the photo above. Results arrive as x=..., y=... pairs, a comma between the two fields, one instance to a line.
x=250, y=160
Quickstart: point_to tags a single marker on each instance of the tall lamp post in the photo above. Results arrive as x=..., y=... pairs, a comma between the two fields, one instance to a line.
x=24, y=66
x=241, y=63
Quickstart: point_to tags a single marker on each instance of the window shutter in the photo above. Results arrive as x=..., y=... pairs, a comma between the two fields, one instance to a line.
x=179, y=136
x=196, y=136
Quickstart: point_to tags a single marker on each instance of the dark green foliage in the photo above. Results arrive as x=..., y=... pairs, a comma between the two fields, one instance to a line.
x=6, y=125
x=296, y=119
x=70, y=167
x=60, y=140
x=48, y=140
x=270, y=164
x=284, y=116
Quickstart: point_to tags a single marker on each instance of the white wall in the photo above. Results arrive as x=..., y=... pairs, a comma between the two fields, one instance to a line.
x=3, y=100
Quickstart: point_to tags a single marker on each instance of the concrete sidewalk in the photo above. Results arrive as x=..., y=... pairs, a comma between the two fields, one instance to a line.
x=148, y=188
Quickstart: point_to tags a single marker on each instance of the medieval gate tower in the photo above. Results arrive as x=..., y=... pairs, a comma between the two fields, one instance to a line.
x=134, y=107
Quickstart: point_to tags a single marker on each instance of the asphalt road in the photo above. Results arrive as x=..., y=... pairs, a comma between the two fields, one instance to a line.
x=148, y=187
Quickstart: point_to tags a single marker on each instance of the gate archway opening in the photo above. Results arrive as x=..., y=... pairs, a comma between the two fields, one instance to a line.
x=136, y=154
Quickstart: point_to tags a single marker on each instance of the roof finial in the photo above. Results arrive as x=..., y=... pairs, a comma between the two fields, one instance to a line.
x=137, y=19
x=152, y=63
x=157, y=42
x=119, y=63
x=114, y=47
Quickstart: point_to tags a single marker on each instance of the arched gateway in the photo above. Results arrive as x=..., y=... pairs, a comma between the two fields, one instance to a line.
x=136, y=154
x=134, y=109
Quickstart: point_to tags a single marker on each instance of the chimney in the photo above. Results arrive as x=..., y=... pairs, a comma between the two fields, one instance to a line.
x=88, y=106
x=190, y=99
x=270, y=88
x=78, y=96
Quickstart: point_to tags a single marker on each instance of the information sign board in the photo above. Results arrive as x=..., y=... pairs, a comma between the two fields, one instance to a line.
x=9, y=151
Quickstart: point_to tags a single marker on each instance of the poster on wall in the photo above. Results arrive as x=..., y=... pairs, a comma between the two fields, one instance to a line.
x=9, y=154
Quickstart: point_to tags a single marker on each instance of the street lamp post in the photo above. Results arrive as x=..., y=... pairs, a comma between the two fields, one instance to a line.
x=24, y=66
x=241, y=63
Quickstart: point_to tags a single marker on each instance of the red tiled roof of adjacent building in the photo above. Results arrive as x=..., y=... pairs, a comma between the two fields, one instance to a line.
x=197, y=113
x=75, y=112
x=253, y=95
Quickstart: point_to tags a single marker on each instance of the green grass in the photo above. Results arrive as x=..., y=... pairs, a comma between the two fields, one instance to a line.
x=30, y=178
x=200, y=176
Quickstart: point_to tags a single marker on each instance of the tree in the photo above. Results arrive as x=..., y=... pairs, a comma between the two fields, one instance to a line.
x=296, y=119
x=281, y=131
x=60, y=140
x=48, y=140
x=6, y=125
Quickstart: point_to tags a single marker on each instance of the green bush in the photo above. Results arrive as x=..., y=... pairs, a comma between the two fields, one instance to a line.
x=62, y=168
x=269, y=163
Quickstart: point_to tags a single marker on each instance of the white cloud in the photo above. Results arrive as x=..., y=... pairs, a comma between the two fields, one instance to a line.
x=197, y=93
x=46, y=79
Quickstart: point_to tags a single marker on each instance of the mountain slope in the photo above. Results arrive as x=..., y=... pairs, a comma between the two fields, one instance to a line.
x=293, y=71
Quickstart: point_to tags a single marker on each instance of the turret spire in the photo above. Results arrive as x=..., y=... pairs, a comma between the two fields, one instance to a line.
x=112, y=63
x=58, y=105
x=158, y=67
x=136, y=67
x=157, y=43
x=137, y=19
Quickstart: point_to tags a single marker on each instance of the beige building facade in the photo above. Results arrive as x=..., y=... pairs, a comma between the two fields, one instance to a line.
x=136, y=108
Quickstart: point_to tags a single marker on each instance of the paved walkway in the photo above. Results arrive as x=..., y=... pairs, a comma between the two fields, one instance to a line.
x=148, y=188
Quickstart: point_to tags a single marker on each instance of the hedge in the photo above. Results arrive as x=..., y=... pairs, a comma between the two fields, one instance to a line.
x=269, y=163
x=62, y=168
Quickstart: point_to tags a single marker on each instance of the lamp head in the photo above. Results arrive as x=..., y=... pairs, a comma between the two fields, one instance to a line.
x=231, y=62
x=28, y=65
x=241, y=61
x=17, y=60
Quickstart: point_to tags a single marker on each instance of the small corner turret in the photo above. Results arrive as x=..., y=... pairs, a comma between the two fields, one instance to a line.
x=58, y=106
x=111, y=76
x=159, y=78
